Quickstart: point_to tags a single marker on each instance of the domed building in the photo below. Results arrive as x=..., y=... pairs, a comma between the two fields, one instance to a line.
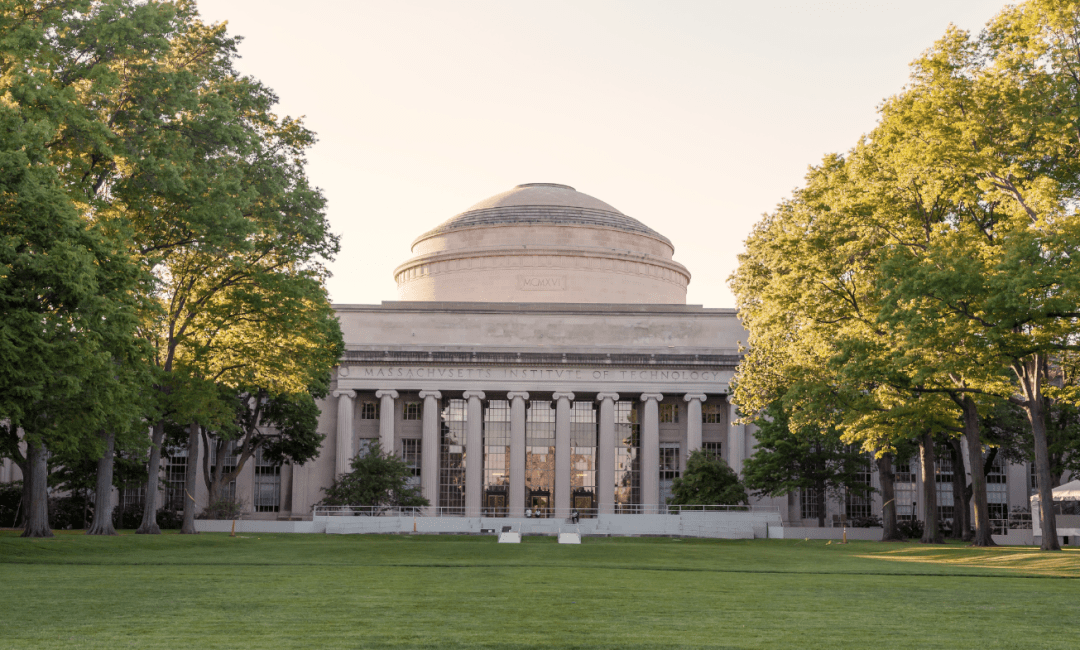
x=541, y=361
x=542, y=242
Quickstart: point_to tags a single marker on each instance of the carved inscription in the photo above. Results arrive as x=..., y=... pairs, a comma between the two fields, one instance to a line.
x=542, y=282
x=535, y=374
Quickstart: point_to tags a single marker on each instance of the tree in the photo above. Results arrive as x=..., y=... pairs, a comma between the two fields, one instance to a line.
x=377, y=480
x=707, y=481
x=67, y=285
x=284, y=427
x=807, y=459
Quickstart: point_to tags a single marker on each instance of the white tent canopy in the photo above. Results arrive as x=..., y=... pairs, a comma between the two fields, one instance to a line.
x=1067, y=492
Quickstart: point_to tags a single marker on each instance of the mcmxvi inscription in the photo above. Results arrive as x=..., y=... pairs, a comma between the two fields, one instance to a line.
x=542, y=282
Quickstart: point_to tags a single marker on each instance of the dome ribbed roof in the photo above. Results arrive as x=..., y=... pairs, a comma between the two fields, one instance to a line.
x=543, y=203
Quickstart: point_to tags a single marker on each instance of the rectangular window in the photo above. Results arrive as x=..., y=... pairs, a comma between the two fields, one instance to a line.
x=369, y=410
x=496, y=457
x=583, y=457
x=364, y=446
x=712, y=413
x=410, y=453
x=669, y=413
x=267, y=484
x=904, y=484
x=1033, y=479
x=943, y=479
x=539, y=458
x=997, y=497
x=858, y=506
x=452, y=457
x=669, y=470
x=713, y=450
x=627, y=458
x=175, y=477
x=414, y=411
x=811, y=503
x=228, y=465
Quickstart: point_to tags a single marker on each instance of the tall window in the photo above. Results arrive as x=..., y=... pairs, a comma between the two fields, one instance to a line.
x=627, y=461
x=858, y=506
x=811, y=502
x=944, y=478
x=997, y=497
x=669, y=413
x=175, y=477
x=267, y=484
x=712, y=413
x=496, y=457
x=452, y=457
x=713, y=450
x=583, y=456
x=413, y=411
x=669, y=469
x=369, y=410
x=904, y=485
x=539, y=458
x=228, y=465
x=410, y=453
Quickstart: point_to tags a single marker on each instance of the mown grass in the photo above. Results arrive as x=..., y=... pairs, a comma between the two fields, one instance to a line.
x=288, y=591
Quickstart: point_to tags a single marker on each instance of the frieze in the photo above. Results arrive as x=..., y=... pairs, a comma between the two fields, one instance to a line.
x=532, y=374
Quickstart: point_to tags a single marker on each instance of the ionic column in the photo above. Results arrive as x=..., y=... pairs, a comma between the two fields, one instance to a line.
x=386, y=419
x=736, y=440
x=693, y=422
x=474, y=453
x=650, y=450
x=563, y=489
x=344, y=431
x=517, y=453
x=429, y=447
x=605, y=454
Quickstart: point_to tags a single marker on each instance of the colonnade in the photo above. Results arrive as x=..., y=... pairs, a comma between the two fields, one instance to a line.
x=474, y=452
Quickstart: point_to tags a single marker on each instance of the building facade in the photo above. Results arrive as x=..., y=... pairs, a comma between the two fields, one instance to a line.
x=541, y=359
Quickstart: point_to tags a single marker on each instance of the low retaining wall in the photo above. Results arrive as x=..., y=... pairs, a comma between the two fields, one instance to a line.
x=259, y=526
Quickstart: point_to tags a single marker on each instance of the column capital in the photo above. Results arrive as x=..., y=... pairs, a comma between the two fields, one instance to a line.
x=345, y=393
x=645, y=397
x=600, y=397
x=386, y=393
x=469, y=394
x=557, y=396
x=424, y=394
x=701, y=397
x=516, y=395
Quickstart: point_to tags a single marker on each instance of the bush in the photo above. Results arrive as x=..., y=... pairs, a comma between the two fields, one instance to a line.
x=910, y=528
x=11, y=515
x=377, y=480
x=224, y=508
x=70, y=512
x=707, y=481
x=865, y=522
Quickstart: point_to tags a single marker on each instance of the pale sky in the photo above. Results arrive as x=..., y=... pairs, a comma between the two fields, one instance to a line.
x=694, y=117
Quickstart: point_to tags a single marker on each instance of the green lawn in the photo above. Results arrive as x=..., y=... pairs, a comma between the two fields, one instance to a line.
x=271, y=591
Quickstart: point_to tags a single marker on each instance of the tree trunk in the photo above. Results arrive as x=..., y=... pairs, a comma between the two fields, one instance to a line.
x=889, y=532
x=103, y=502
x=190, y=478
x=961, y=529
x=1031, y=373
x=983, y=530
x=149, y=525
x=35, y=484
x=931, y=530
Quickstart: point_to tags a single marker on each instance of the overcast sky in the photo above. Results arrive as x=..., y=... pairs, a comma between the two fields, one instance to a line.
x=694, y=117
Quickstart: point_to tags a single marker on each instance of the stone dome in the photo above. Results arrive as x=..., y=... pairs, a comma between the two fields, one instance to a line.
x=543, y=242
